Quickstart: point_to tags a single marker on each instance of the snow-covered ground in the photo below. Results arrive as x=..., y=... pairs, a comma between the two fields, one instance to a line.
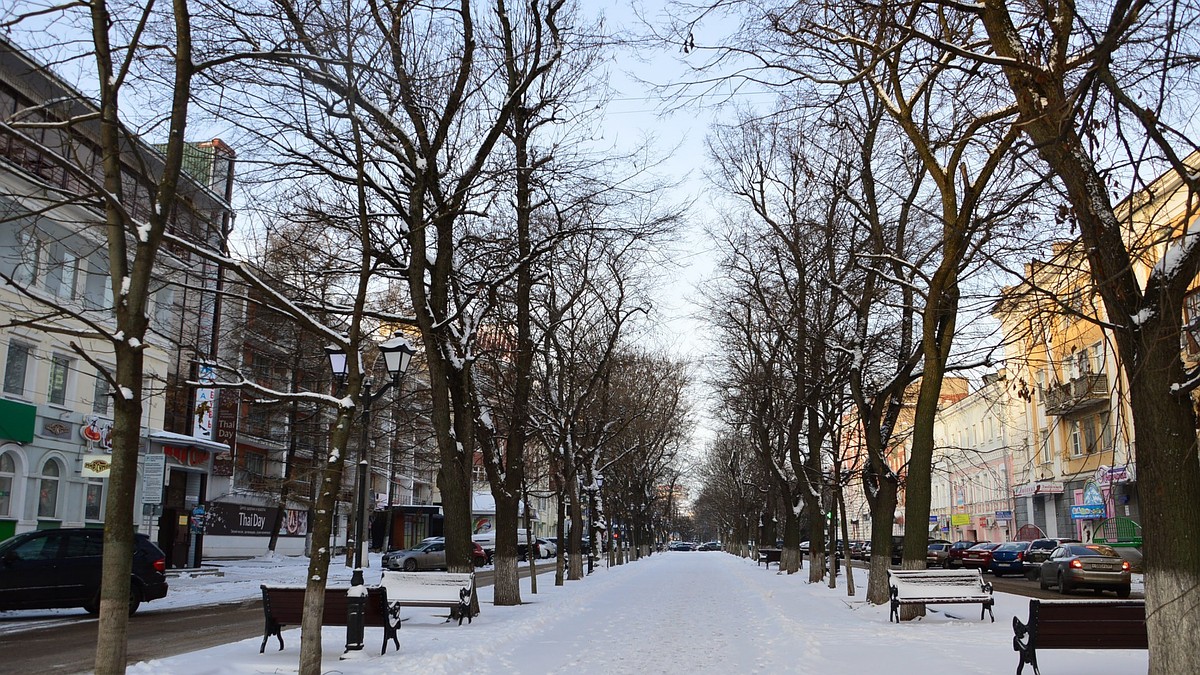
x=675, y=612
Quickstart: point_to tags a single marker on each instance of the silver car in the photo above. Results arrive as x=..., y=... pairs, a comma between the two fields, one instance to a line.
x=1094, y=566
x=428, y=555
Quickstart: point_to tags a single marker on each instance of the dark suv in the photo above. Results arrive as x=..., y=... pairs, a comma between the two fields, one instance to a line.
x=61, y=568
x=1039, y=550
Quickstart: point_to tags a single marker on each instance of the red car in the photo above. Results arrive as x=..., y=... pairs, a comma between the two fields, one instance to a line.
x=979, y=556
x=957, y=549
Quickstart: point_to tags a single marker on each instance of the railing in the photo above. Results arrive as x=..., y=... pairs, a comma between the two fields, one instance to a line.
x=1078, y=394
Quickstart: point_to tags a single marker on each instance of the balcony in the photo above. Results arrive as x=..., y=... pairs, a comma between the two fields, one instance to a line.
x=1081, y=393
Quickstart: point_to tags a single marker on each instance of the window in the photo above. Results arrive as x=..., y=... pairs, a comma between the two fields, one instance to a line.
x=1044, y=442
x=1076, y=439
x=93, y=507
x=256, y=464
x=84, y=544
x=48, y=490
x=61, y=272
x=29, y=257
x=60, y=369
x=40, y=548
x=164, y=305
x=100, y=395
x=15, y=368
x=1097, y=358
x=8, y=470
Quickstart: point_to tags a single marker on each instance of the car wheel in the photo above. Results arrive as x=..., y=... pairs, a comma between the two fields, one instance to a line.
x=1123, y=592
x=135, y=601
x=410, y=565
x=946, y=565
x=1064, y=586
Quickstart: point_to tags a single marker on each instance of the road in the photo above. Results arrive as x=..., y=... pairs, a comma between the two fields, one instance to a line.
x=69, y=645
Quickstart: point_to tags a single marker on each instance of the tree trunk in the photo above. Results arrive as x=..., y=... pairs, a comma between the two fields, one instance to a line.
x=117, y=561
x=322, y=533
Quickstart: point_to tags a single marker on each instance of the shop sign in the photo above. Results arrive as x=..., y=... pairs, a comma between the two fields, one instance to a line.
x=56, y=429
x=250, y=520
x=1093, y=506
x=959, y=519
x=1004, y=515
x=1043, y=488
x=96, y=466
x=97, y=432
x=186, y=456
x=1107, y=475
x=228, y=402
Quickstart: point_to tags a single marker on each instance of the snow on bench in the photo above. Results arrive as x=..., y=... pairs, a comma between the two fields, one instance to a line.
x=455, y=590
x=933, y=587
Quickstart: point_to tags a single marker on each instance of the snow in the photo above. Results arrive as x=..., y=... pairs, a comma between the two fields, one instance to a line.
x=675, y=612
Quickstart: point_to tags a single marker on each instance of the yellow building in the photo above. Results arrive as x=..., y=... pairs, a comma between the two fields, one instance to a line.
x=1065, y=365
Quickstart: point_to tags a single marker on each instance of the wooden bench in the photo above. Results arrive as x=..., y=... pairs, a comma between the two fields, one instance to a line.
x=939, y=587
x=1079, y=624
x=766, y=556
x=284, y=606
x=453, y=590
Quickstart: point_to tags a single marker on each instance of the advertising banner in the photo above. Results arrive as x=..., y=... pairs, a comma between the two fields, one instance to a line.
x=960, y=519
x=248, y=520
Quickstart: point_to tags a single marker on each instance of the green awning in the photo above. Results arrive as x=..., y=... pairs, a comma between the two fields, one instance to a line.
x=16, y=421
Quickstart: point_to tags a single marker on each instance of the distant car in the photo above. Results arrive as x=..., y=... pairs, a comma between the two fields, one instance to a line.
x=957, y=549
x=547, y=548
x=710, y=546
x=938, y=555
x=1039, y=550
x=1009, y=558
x=979, y=556
x=45, y=569
x=679, y=546
x=1095, y=566
x=858, y=549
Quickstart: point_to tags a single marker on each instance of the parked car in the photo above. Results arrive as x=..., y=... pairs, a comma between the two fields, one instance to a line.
x=547, y=548
x=938, y=555
x=710, y=546
x=428, y=555
x=1039, y=550
x=858, y=549
x=1095, y=566
x=957, y=549
x=679, y=546
x=1009, y=558
x=47, y=569
x=979, y=555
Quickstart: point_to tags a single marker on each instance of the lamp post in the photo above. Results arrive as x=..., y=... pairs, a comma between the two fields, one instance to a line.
x=397, y=354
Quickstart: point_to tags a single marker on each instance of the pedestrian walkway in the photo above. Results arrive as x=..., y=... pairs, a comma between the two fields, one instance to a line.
x=678, y=612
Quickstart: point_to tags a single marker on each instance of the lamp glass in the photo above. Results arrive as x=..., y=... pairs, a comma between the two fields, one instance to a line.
x=397, y=353
x=337, y=360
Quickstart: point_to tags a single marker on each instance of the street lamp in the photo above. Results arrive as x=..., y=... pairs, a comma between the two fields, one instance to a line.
x=397, y=354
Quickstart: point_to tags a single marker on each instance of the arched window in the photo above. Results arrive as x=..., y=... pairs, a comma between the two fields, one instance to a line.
x=8, y=469
x=48, y=492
